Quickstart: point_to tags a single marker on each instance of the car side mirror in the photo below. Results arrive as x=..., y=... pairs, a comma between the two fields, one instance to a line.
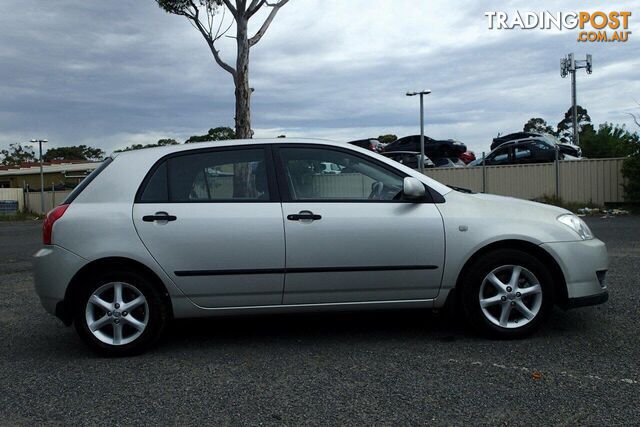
x=413, y=189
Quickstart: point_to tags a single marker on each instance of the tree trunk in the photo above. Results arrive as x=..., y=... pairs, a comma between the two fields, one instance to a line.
x=243, y=91
x=241, y=171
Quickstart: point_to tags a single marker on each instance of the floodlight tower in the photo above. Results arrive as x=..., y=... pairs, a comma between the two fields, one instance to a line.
x=569, y=64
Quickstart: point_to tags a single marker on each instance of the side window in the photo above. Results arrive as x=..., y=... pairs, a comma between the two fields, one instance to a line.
x=541, y=146
x=357, y=178
x=156, y=189
x=500, y=157
x=522, y=153
x=210, y=177
x=219, y=176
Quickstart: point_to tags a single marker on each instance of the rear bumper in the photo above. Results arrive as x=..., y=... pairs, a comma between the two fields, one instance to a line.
x=54, y=267
x=584, y=264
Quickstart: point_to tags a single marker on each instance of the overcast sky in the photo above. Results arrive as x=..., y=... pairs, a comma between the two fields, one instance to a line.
x=112, y=73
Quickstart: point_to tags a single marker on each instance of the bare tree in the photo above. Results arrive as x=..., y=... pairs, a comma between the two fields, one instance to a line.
x=206, y=17
x=636, y=117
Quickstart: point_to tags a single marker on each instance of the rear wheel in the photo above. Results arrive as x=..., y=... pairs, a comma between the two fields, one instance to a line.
x=507, y=294
x=120, y=314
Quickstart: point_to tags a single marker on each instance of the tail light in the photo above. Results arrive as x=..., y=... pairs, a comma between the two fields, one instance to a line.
x=50, y=219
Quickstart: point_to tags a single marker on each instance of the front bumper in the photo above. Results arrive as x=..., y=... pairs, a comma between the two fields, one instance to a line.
x=596, y=299
x=584, y=264
x=54, y=268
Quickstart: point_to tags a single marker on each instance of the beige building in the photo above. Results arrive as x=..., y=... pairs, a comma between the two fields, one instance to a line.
x=62, y=174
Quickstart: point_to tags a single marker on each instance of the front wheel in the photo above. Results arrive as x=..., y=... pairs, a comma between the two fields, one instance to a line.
x=120, y=314
x=507, y=294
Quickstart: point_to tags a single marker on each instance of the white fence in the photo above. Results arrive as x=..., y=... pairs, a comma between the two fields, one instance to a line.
x=51, y=200
x=13, y=194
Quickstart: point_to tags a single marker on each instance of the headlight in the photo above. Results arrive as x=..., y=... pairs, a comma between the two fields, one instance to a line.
x=577, y=225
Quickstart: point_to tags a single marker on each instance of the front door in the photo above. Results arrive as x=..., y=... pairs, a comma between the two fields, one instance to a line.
x=349, y=235
x=213, y=221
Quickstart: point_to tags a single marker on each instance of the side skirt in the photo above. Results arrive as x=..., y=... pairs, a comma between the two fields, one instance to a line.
x=183, y=308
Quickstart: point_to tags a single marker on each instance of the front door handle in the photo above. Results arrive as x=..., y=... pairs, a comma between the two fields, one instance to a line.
x=159, y=216
x=304, y=215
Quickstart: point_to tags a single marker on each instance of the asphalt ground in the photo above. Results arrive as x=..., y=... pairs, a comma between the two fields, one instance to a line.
x=395, y=367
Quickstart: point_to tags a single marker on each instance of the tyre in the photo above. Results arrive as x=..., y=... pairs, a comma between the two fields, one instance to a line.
x=120, y=313
x=507, y=294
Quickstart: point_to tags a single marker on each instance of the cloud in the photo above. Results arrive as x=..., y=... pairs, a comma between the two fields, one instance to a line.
x=109, y=74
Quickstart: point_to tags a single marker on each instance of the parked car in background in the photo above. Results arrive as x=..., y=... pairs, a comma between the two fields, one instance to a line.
x=434, y=149
x=369, y=144
x=533, y=150
x=408, y=158
x=467, y=157
x=512, y=138
x=177, y=241
x=445, y=162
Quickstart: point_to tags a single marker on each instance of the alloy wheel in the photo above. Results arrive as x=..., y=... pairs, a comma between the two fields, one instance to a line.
x=510, y=296
x=117, y=313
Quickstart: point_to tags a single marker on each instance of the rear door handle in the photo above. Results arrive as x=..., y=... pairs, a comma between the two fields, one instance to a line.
x=304, y=215
x=159, y=216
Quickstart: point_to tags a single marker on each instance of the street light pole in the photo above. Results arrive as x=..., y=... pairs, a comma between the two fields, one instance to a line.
x=40, y=141
x=421, y=93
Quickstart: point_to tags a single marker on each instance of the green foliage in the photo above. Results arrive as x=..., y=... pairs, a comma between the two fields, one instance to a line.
x=79, y=152
x=631, y=171
x=214, y=134
x=17, y=154
x=160, y=143
x=608, y=141
x=167, y=141
x=538, y=125
x=180, y=7
x=388, y=138
x=565, y=127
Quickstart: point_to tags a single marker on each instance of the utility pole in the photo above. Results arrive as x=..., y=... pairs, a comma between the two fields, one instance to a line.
x=40, y=141
x=569, y=64
x=421, y=93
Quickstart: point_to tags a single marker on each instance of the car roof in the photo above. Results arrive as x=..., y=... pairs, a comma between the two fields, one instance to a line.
x=167, y=149
x=523, y=140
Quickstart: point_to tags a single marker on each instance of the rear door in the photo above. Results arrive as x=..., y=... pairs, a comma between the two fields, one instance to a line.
x=349, y=236
x=212, y=219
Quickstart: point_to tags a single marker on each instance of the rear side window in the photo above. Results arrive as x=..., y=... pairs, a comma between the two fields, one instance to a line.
x=156, y=189
x=85, y=182
x=217, y=176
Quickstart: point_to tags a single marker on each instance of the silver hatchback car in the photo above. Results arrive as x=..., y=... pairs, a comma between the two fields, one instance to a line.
x=259, y=226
